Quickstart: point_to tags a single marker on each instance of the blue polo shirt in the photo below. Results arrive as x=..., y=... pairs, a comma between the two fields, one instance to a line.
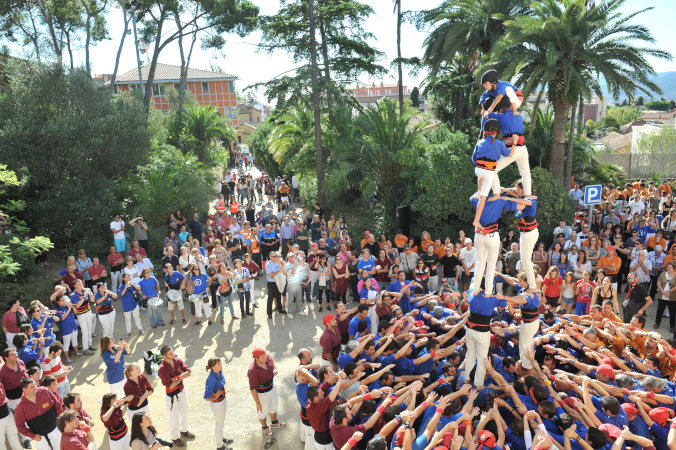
x=488, y=148
x=480, y=304
x=396, y=286
x=271, y=267
x=215, y=382
x=492, y=209
x=114, y=370
x=366, y=265
x=148, y=287
x=509, y=123
x=620, y=420
x=68, y=325
x=176, y=278
x=528, y=211
x=128, y=301
x=354, y=322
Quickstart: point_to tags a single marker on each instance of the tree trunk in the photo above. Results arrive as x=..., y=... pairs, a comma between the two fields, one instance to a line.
x=70, y=51
x=568, y=169
x=459, y=103
x=126, y=18
x=184, y=69
x=558, y=151
x=153, y=63
x=88, y=32
x=319, y=158
x=580, y=116
x=327, y=71
x=399, y=70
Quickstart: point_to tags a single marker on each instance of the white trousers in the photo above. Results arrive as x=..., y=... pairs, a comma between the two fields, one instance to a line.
x=478, y=343
x=324, y=447
x=486, y=177
x=121, y=444
x=12, y=403
x=137, y=320
x=520, y=156
x=118, y=388
x=115, y=279
x=307, y=436
x=487, y=248
x=219, y=410
x=269, y=402
x=253, y=291
x=69, y=339
x=86, y=323
x=9, y=338
x=130, y=413
x=108, y=323
x=201, y=306
x=528, y=330
x=54, y=440
x=177, y=414
x=8, y=430
x=527, y=242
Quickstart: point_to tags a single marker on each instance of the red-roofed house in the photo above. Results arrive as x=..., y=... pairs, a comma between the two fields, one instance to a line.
x=210, y=88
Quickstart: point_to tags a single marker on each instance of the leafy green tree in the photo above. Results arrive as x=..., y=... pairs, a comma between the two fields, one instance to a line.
x=259, y=141
x=16, y=253
x=292, y=143
x=562, y=47
x=658, y=105
x=70, y=143
x=415, y=97
x=640, y=101
x=201, y=126
x=611, y=124
x=624, y=114
x=170, y=181
x=463, y=32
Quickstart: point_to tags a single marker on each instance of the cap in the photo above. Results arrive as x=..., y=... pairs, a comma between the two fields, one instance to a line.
x=630, y=409
x=486, y=439
x=607, y=370
x=570, y=401
x=661, y=415
x=328, y=318
x=367, y=232
x=468, y=241
x=495, y=340
x=257, y=351
x=658, y=248
x=610, y=247
x=314, y=244
x=611, y=431
x=608, y=361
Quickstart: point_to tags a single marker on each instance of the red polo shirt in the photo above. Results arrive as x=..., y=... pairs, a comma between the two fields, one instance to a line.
x=137, y=389
x=77, y=440
x=258, y=375
x=167, y=371
x=318, y=413
x=27, y=410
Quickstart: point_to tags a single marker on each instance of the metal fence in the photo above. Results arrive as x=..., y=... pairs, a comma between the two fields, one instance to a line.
x=642, y=165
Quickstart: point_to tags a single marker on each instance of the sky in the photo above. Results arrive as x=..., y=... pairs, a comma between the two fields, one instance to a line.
x=241, y=59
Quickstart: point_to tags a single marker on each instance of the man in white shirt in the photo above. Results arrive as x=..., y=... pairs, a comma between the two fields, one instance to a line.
x=143, y=263
x=468, y=258
x=563, y=228
x=577, y=194
x=117, y=227
x=636, y=205
x=295, y=185
x=572, y=241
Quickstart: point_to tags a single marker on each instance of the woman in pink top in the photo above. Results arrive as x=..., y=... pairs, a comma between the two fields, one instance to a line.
x=12, y=321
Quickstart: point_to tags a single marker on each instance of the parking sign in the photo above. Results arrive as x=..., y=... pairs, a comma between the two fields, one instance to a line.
x=592, y=194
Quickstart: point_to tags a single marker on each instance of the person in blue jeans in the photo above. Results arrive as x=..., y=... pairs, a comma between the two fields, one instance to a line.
x=150, y=290
x=225, y=276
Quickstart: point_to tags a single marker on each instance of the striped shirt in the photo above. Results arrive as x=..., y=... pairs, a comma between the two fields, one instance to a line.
x=53, y=367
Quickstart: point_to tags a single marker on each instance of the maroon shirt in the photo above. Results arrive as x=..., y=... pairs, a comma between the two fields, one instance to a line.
x=115, y=419
x=344, y=325
x=341, y=434
x=70, y=279
x=77, y=440
x=318, y=413
x=385, y=276
x=3, y=397
x=259, y=376
x=12, y=379
x=27, y=410
x=330, y=342
x=167, y=371
x=137, y=389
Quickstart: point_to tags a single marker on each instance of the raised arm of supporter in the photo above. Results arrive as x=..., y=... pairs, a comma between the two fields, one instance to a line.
x=485, y=418
x=518, y=300
x=571, y=435
x=362, y=343
x=371, y=378
x=356, y=437
x=432, y=424
x=438, y=437
x=642, y=409
x=671, y=438
x=453, y=331
x=303, y=371
x=404, y=348
x=586, y=396
x=469, y=441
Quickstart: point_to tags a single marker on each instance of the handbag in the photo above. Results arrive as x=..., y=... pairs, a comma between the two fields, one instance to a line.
x=225, y=289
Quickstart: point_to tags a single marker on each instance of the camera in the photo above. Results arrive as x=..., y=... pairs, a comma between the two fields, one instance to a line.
x=164, y=443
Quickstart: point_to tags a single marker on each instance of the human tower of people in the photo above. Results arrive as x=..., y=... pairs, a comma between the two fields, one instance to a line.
x=422, y=361
x=453, y=370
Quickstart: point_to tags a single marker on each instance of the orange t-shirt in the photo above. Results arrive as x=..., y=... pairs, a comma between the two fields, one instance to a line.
x=652, y=242
x=664, y=189
x=425, y=243
x=400, y=241
x=606, y=261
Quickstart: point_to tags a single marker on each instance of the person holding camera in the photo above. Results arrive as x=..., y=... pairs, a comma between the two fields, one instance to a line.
x=113, y=356
x=113, y=421
x=140, y=233
x=144, y=434
x=104, y=306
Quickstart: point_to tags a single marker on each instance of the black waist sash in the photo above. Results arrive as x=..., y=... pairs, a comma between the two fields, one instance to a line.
x=44, y=423
x=265, y=387
x=4, y=411
x=479, y=322
x=136, y=408
x=14, y=394
x=118, y=432
x=530, y=315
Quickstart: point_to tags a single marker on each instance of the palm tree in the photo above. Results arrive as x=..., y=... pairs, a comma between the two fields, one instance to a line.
x=205, y=124
x=464, y=32
x=373, y=163
x=564, y=45
x=292, y=142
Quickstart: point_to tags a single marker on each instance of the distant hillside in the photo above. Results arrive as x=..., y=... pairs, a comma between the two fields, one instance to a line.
x=665, y=80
